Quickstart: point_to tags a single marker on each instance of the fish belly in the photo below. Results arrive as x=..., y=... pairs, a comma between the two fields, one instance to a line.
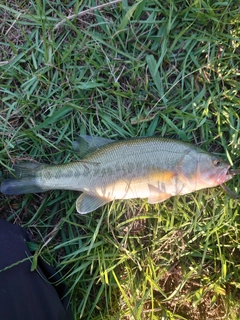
x=163, y=185
x=123, y=190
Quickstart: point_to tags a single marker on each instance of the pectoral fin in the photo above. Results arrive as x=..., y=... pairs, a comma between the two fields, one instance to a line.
x=156, y=195
x=87, y=203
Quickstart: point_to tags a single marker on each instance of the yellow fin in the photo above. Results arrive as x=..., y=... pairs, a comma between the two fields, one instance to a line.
x=156, y=195
x=163, y=176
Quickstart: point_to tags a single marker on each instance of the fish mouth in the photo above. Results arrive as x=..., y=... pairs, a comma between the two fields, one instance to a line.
x=225, y=175
x=229, y=173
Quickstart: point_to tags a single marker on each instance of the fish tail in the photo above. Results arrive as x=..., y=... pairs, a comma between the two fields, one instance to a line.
x=21, y=186
x=24, y=181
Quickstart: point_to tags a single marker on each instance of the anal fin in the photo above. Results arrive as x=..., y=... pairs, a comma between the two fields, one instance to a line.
x=87, y=203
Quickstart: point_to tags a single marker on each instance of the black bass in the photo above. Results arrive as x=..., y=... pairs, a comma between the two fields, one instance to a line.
x=153, y=168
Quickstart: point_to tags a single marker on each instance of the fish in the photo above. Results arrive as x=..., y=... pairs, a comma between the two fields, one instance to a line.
x=145, y=167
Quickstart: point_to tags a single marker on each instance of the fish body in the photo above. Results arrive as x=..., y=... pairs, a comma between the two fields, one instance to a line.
x=153, y=168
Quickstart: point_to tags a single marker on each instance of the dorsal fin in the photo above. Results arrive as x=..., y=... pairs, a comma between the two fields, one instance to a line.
x=85, y=144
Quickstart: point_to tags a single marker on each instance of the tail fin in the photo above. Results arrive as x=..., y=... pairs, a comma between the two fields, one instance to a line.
x=25, y=180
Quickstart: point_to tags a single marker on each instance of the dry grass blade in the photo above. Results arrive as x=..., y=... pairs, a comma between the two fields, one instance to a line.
x=87, y=11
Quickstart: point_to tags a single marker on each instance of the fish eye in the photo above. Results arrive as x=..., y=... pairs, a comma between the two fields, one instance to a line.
x=216, y=162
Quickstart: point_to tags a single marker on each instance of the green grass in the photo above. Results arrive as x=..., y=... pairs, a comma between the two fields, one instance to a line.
x=128, y=69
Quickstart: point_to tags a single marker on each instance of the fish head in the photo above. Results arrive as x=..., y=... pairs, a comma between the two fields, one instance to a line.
x=198, y=170
x=212, y=171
